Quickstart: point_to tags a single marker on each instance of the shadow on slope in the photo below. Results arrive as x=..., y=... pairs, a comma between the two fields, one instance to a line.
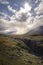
x=35, y=47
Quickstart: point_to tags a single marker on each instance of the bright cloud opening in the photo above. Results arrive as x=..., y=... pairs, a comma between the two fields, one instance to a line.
x=27, y=7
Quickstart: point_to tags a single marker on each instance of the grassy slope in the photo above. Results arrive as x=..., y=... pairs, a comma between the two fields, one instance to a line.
x=14, y=51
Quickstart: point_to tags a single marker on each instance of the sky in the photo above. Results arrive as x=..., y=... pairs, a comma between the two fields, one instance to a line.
x=20, y=16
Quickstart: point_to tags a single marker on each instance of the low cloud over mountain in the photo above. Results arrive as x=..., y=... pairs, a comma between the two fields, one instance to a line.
x=36, y=31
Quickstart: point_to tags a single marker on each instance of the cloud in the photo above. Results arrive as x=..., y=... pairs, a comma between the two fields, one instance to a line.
x=38, y=21
x=4, y=2
x=14, y=25
x=6, y=27
x=21, y=15
x=4, y=16
x=11, y=9
x=39, y=9
x=21, y=21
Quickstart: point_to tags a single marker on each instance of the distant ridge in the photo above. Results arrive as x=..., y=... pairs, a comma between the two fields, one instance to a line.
x=36, y=31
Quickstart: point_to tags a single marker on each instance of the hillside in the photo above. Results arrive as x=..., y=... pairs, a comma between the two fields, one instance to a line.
x=36, y=31
x=21, y=50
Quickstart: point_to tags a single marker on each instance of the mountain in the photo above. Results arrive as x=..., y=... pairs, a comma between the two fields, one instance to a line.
x=36, y=31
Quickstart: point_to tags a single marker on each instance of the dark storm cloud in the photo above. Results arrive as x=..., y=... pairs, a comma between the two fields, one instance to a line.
x=22, y=18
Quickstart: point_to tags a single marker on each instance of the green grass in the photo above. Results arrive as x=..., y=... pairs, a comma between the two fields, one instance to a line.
x=14, y=51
